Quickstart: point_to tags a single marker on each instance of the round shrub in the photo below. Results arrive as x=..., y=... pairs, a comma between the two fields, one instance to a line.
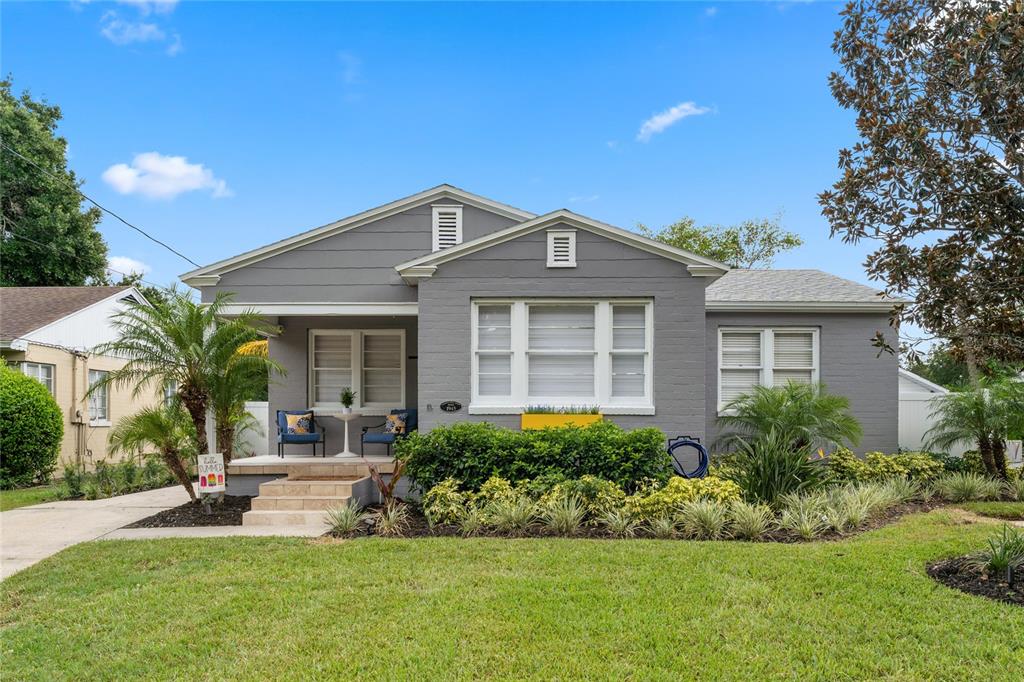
x=32, y=428
x=678, y=491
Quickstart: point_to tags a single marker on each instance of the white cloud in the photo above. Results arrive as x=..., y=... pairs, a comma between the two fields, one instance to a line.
x=612, y=144
x=710, y=11
x=147, y=6
x=156, y=176
x=175, y=47
x=659, y=122
x=585, y=199
x=122, y=32
x=123, y=265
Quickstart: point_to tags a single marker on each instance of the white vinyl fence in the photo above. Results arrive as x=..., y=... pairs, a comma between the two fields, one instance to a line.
x=257, y=441
x=914, y=421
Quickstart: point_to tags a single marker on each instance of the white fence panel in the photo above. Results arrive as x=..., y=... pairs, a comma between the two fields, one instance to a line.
x=257, y=441
x=915, y=422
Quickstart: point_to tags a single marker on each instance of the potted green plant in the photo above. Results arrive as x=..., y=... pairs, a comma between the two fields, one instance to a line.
x=348, y=396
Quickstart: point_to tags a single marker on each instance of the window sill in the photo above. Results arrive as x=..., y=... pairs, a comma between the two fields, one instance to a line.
x=609, y=410
x=99, y=423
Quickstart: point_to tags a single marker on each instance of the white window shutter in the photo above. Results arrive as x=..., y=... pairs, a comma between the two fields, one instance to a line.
x=447, y=226
x=561, y=248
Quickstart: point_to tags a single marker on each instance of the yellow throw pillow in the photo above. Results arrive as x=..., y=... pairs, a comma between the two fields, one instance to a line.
x=395, y=424
x=300, y=423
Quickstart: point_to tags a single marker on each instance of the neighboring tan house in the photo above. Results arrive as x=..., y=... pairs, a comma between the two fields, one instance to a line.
x=49, y=333
x=446, y=297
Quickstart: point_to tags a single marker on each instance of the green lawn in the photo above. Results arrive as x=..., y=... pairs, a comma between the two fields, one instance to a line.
x=999, y=510
x=262, y=608
x=23, y=497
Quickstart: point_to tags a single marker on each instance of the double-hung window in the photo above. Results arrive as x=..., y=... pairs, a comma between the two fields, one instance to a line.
x=41, y=372
x=563, y=354
x=99, y=399
x=371, y=362
x=749, y=357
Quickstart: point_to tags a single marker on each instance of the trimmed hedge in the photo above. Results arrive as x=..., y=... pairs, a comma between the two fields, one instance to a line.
x=31, y=429
x=472, y=452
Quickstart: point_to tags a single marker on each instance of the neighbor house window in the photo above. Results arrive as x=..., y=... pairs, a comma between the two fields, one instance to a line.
x=41, y=372
x=764, y=357
x=369, y=361
x=99, y=399
x=562, y=353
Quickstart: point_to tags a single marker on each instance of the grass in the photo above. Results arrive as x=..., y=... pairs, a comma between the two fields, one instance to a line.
x=23, y=497
x=1000, y=510
x=449, y=608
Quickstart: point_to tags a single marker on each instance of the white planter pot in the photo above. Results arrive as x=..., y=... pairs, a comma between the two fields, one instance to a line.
x=346, y=410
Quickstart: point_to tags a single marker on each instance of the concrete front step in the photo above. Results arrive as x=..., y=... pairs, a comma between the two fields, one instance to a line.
x=303, y=469
x=284, y=518
x=298, y=502
x=287, y=487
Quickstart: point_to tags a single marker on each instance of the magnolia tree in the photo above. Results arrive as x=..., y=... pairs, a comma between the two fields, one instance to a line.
x=937, y=176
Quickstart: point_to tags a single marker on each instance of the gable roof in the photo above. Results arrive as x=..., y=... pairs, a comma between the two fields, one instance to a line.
x=920, y=382
x=209, y=274
x=25, y=309
x=799, y=290
x=424, y=266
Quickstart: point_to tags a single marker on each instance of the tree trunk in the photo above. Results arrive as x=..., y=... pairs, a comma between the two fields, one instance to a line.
x=226, y=440
x=987, y=458
x=999, y=458
x=173, y=461
x=195, y=404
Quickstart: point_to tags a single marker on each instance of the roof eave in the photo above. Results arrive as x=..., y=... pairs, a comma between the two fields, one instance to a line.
x=803, y=306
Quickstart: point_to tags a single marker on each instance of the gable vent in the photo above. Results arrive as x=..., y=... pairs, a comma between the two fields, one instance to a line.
x=561, y=248
x=447, y=226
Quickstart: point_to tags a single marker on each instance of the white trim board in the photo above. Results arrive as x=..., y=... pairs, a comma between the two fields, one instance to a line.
x=699, y=266
x=326, y=309
x=204, y=276
x=802, y=306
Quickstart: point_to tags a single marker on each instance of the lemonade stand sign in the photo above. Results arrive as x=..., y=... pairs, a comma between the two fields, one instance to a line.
x=211, y=477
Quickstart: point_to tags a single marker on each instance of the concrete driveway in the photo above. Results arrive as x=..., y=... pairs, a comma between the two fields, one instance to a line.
x=30, y=534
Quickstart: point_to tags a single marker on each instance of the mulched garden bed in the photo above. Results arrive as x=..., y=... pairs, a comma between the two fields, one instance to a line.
x=956, y=573
x=190, y=514
x=419, y=528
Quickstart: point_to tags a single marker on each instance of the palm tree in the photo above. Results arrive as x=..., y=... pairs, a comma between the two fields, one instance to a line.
x=804, y=415
x=183, y=343
x=167, y=429
x=984, y=416
x=244, y=376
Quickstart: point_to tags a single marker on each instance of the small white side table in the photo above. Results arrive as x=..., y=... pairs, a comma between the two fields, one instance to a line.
x=346, y=417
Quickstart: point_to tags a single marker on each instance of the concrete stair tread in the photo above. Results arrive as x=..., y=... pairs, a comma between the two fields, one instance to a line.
x=284, y=518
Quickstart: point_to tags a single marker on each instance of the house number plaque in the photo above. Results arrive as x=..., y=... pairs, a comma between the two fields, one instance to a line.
x=451, y=406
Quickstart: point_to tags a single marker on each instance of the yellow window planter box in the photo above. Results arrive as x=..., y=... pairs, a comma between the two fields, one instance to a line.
x=547, y=420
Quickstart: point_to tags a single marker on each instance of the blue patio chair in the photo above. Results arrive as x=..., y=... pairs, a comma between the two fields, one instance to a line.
x=316, y=433
x=388, y=439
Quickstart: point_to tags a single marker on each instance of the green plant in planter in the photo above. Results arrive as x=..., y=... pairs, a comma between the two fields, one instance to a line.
x=572, y=409
x=348, y=396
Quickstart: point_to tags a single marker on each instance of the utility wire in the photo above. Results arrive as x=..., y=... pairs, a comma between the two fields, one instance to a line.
x=65, y=255
x=100, y=206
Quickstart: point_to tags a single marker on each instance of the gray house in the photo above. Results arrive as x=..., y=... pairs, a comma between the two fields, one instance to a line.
x=449, y=297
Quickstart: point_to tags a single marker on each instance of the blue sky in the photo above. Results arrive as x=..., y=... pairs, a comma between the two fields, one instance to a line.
x=291, y=115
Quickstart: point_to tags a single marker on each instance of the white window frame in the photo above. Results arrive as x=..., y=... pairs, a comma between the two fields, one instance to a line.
x=105, y=419
x=34, y=373
x=767, y=368
x=435, y=216
x=552, y=236
x=520, y=398
x=357, y=335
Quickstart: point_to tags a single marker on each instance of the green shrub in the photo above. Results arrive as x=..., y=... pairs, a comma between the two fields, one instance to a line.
x=71, y=484
x=472, y=452
x=620, y=523
x=769, y=467
x=597, y=496
x=444, y=503
x=667, y=501
x=664, y=527
x=804, y=514
x=393, y=520
x=346, y=520
x=511, y=515
x=495, y=489
x=750, y=521
x=1005, y=551
x=876, y=466
x=1014, y=489
x=968, y=487
x=563, y=515
x=470, y=521
x=31, y=429
x=704, y=519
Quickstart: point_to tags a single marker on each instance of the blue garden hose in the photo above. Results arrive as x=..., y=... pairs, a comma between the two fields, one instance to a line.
x=702, y=456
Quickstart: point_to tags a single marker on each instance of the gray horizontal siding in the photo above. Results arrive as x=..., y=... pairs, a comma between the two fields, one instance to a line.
x=849, y=366
x=354, y=266
x=517, y=269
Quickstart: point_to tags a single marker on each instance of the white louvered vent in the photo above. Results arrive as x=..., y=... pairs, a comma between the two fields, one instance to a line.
x=561, y=248
x=447, y=226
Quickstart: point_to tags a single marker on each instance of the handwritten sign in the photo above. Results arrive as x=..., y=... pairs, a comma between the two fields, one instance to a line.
x=211, y=473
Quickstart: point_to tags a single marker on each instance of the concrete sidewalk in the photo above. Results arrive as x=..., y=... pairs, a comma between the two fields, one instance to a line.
x=30, y=534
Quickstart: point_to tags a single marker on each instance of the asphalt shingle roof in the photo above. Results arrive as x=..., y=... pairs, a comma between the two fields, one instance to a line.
x=789, y=286
x=25, y=309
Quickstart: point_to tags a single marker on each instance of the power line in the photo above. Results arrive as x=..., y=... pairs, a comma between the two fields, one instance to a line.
x=59, y=253
x=100, y=206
